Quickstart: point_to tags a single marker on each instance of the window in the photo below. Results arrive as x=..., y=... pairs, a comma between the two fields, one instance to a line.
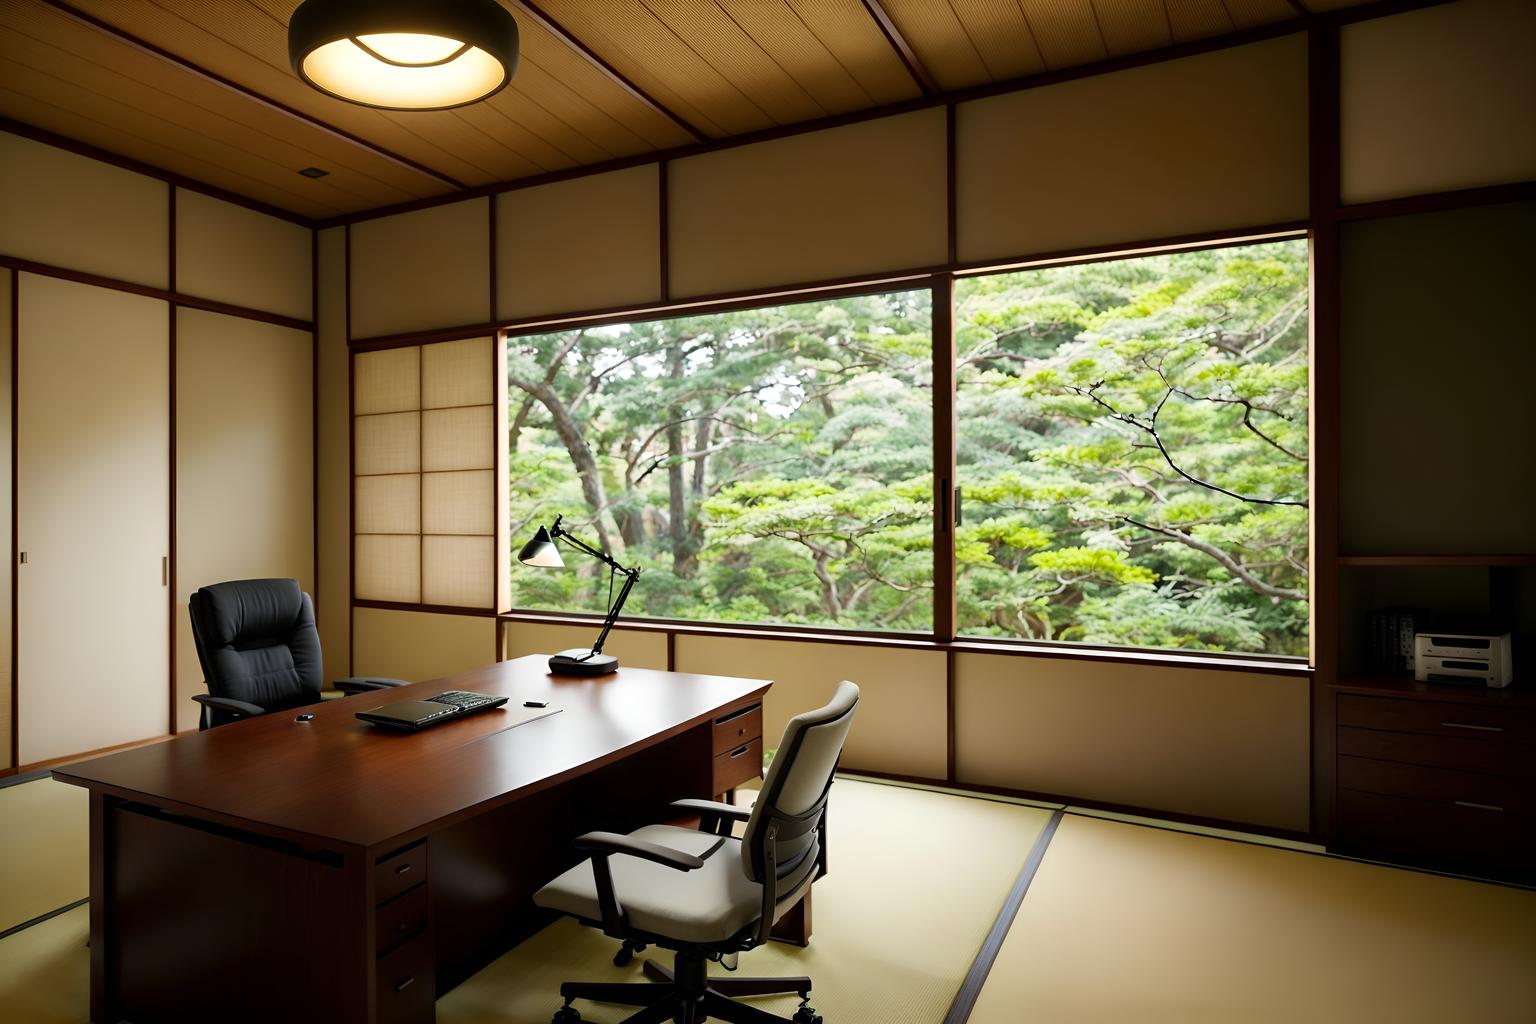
x=1132, y=449
x=770, y=465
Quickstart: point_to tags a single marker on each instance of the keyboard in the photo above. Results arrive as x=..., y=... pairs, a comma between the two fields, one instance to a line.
x=411, y=715
x=467, y=701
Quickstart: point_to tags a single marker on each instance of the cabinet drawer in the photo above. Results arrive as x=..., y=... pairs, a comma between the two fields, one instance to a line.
x=1443, y=832
x=739, y=727
x=394, y=875
x=405, y=984
x=1435, y=718
x=1470, y=755
x=738, y=765
x=400, y=918
x=1438, y=785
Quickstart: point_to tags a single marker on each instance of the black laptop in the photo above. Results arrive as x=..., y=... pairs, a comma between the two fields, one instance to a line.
x=414, y=715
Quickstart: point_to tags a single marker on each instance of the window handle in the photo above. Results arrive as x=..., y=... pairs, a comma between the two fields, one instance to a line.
x=959, y=505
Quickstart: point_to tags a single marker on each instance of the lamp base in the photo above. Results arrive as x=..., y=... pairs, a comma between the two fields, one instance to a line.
x=580, y=661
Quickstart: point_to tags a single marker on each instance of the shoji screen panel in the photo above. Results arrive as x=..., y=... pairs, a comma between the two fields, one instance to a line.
x=421, y=645
x=587, y=243
x=1204, y=143
x=231, y=254
x=1228, y=745
x=244, y=454
x=67, y=210
x=863, y=198
x=93, y=477
x=333, y=554
x=425, y=430
x=422, y=270
x=1438, y=99
x=901, y=723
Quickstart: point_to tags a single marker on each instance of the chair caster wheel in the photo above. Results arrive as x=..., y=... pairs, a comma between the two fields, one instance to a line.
x=806, y=1015
x=568, y=1015
x=623, y=957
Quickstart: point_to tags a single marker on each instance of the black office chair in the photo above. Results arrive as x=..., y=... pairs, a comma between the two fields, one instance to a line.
x=706, y=895
x=260, y=652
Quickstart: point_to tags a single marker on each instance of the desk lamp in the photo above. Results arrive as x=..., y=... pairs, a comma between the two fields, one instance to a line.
x=541, y=552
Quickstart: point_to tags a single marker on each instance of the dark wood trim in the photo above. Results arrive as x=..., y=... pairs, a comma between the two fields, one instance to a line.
x=213, y=77
x=9, y=777
x=951, y=188
x=314, y=413
x=431, y=609
x=1324, y=183
x=671, y=652
x=501, y=530
x=106, y=156
x=40, y=918
x=926, y=84
x=944, y=468
x=1174, y=817
x=421, y=490
x=613, y=74
x=170, y=555
x=664, y=229
x=1434, y=202
x=346, y=329
x=1439, y=560
x=970, y=987
x=1212, y=660
x=1192, y=242
x=164, y=294
x=1175, y=52
x=15, y=686
x=86, y=755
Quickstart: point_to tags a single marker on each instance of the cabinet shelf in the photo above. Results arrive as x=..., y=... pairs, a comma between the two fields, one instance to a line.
x=1514, y=695
x=1438, y=560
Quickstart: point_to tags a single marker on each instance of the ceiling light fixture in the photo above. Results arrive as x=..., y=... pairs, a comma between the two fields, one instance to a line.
x=404, y=54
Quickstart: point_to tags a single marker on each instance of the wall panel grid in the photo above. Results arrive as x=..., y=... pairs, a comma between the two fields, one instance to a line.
x=424, y=474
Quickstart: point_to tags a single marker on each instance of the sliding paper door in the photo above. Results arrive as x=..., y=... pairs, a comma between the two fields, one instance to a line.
x=93, y=474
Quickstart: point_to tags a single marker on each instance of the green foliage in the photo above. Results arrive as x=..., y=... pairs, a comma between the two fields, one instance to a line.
x=1132, y=449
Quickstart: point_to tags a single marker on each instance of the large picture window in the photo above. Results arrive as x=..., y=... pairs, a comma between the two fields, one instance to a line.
x=1132, y=457
x=1132, y=449
x=771, y=465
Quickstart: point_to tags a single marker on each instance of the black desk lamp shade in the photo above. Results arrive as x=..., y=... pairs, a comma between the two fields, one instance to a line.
x=542, y=552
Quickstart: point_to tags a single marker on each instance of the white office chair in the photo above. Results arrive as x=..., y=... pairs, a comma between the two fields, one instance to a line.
x=706, y=895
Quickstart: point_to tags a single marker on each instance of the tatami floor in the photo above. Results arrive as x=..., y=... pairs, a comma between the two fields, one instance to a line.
x=1123, y=921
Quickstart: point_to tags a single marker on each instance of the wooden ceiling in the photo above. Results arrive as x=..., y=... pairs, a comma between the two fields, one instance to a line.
x=202, y=88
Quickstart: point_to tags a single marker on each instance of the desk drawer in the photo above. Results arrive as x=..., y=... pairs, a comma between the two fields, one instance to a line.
x=1471, y=790
x=1477, y=721
x=739, y=727
x=396, y=874
x=1491, y=756
x=406, y=989
x=400, y=918
x=737, y=765
x=1486, y=839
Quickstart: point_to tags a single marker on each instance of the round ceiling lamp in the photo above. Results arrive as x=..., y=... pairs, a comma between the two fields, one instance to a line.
x=404, y=54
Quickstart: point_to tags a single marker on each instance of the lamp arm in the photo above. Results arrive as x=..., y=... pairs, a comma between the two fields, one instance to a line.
x=630, y=575
x=556, y=532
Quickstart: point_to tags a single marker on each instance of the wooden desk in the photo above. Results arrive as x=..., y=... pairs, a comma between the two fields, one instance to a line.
x=329, y=871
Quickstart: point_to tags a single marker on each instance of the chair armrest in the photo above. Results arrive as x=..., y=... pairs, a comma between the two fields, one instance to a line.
x=238, y=708
x=363, y=684
x=602, y=845
x=714, y=816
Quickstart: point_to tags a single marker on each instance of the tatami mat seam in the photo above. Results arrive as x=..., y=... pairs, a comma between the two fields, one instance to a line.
x=40, y=918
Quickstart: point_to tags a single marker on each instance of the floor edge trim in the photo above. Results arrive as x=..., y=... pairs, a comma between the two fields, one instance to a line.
x=40, y=918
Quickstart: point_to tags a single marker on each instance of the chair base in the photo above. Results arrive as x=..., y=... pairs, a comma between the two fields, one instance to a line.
x=688, y=995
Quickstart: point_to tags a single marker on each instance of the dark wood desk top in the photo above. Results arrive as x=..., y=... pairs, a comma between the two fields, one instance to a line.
x=337, y=783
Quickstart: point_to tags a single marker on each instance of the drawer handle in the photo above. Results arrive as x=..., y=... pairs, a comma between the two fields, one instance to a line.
x=402, y=869
x=401, y=986
x=1479, y=728
x=741, y=750
x=1477, y=807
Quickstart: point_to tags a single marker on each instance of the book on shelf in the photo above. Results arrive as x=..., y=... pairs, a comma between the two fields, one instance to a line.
x=1389, y=638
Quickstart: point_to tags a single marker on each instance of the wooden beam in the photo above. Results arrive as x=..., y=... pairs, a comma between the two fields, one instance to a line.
x=144, y=46
x=925, y=82
x=613, y=74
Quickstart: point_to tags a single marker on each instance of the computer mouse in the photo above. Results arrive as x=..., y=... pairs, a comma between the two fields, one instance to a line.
x=305, y=717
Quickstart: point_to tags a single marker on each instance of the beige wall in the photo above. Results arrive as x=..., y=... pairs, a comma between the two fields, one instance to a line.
x=70, y=211
x=639, y=648
x=1214, y=744
x=244, y=474
x=420, y=645
x=333, y=543
x=421, y=270
x=233, y=254
x=1204, y=143
x=1438, y=99
x=900, y=727
x=859, y=199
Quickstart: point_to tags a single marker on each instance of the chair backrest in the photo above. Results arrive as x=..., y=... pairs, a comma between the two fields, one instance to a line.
x=794, y=795
x=257, y=642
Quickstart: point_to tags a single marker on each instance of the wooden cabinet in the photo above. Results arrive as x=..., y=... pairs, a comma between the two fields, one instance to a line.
x=1435, y=775
x=738, y=747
